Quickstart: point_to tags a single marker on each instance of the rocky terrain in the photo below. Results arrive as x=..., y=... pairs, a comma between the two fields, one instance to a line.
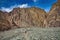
x=28, y=17
x=31, y=33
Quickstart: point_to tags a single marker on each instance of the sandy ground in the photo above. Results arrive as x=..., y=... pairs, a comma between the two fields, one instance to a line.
x=32, y=33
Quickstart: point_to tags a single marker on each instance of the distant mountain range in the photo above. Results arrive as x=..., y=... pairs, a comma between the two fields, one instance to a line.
x=30, y=17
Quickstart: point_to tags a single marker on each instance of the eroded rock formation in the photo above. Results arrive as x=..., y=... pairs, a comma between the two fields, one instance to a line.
x=23, y=17
x=30, y=17
x=54, y=15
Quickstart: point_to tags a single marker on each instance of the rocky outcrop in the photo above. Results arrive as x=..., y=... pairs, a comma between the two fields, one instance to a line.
x=4, y=22
x=54, y=16
x=27, y=17
x=23, y=17
x=30, y=17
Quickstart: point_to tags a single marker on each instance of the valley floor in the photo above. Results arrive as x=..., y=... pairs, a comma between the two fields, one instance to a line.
x=32, y=33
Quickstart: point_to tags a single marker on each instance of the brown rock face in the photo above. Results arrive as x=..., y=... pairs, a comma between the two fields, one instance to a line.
x=27, y=17
x=23, y=17
x=30, y=17
x=54, y=16
x=4, y=22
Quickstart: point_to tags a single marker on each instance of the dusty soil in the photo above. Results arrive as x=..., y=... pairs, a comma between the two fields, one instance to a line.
x=32, y=33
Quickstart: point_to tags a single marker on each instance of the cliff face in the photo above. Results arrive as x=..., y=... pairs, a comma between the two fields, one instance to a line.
x=29, y=17
x=4, y=22
x=54, y=15
x=23, y=17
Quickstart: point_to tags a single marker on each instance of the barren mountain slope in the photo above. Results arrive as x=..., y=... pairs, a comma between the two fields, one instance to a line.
x=23, y=17
x=54, y=15
x=28, y=17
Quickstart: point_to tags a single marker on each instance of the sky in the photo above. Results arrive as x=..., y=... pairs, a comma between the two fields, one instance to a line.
x=8, y=5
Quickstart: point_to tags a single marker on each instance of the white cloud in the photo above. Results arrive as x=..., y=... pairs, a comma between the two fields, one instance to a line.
x=35, y=0
x=15, y=6
x=23, y=6
x=6, y=9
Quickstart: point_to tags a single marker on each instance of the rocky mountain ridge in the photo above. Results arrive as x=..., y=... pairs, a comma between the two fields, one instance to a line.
x=30, y=17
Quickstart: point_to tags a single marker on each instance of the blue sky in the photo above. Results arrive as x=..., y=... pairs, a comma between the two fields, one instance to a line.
x=8, y=5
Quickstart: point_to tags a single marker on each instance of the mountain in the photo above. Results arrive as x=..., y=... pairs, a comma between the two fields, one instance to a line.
x=4, y=22
x=30, y=17
x=54, y=15
x=23, y=17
